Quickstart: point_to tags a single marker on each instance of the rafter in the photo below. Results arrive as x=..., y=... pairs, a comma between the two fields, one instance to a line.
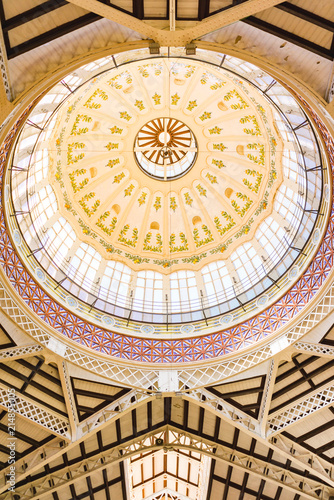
x=13, y=353
x=316, y=349
x=181, y=37
x=172, y=439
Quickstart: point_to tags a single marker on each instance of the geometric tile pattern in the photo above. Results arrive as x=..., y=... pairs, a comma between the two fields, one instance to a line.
x=166, y=351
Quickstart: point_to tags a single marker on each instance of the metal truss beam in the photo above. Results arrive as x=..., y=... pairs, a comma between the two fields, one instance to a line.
x=317, y=349
x=304, y=408
x=267, y=395
x=173, y=439
x=181, y=37
x=37, y=415
x=69, y=398
x=13, y=353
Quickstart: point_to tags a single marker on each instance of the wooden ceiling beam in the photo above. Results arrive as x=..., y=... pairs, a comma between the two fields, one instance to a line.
x=203, y=9
x=306, y=15
x=31, y=14
x=138, y=8
x=289, y=37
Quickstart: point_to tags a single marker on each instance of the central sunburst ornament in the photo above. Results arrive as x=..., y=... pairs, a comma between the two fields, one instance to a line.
x=165, y=148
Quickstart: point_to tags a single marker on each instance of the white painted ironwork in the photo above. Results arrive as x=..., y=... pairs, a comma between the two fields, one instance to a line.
x=317, y=349
x=20, y=352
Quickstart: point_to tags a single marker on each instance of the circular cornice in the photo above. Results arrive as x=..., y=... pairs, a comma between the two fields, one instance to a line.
x=286, y=309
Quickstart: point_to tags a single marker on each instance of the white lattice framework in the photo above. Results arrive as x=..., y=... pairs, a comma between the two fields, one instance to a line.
x=174, y=440
x=40, y=416
x=167, y=494
x=20, y=352
x=317, y=349
x=302, y=409
x=139, y=377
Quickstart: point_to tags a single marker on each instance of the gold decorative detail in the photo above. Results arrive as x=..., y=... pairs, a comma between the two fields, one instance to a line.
x=219, y=147
x=201, y=190
x=98, y=93
x=215, y=130
x=223, y=229
x=155, y=225
x=242, y=104
x=148, y=247
x=256, y=186
x=212, y=178
x=157, y=99
x=203, y=241
x=128, y=190
x=118, y=178
x=125, y=115
x=107, y=229
x=222, y=106
x=87, y=210
x=181, y=248
x=205, y=116
x=192, y=105
x=111, y=145
x=228, y=192
x=237, y=208
x=175, y=99
x=116, y=208
x=251, y=119
x=73, y=176
x=142, y=198
x=256, y=159
x=196, y=220
x=70, y=148
x=116, y=130
x=127, y=241
x=157, y=203
x=173, y=204
x=218, y=163
x=240, y=150
x=75, y=130
x=93, y=171
x=112, y=163
x=188, y=199
x=139, y=105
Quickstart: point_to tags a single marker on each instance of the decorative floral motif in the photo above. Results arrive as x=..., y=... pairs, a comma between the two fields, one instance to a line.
x=157, y=203
x=142, y=198
x=118, y=178
x=114, y=82
x=87, y=210
x=86, y=229
x=188, y=199
x=205, y=116
x=223, y=229
x=240, y=105
x=219, y=147
x=59, y=175
x=272, y=174
x=243, y=197
x=252, y=131
x=116, y=130
x=112, y=163
x=145, y=74
x=98, y=93
x=215, y=130
x=175, y=99
x=139, y=105
x=128, y=190
x=127, y=241
x=152, y=248
x=73, y=176
x=204, y=241
x=256, y=186
x=165, y=262
x=137, y=259
x=111, y=145
x=157, y=99
x=125, y=115
x=75, y=130
x=201, y=190
x=256, y=159
x=194, y=258
x=192, y=105
x=173, y=204
x=107, y=229
x=222, y=247
x=70, y=148
x=245, y=229
x=212, y=178
x=218, y=163
x=181, y=248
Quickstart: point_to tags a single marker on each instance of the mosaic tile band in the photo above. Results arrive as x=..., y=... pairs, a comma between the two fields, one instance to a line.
x=164, y=351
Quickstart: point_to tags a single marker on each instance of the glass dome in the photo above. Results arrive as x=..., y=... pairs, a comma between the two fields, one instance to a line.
x=167, y=190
